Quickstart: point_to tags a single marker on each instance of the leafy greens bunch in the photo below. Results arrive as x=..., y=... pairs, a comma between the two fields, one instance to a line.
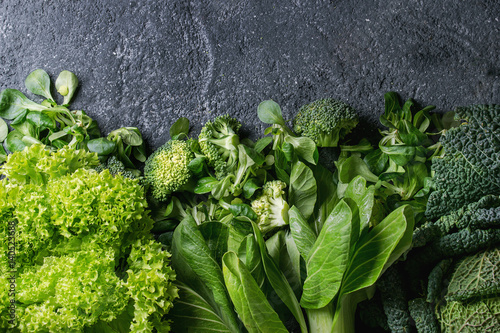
x=261, y=238
x=454, y=260
x=56, y=126
x=77, y=245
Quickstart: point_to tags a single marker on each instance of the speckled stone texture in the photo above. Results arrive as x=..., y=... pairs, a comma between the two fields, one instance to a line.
x=146, y=63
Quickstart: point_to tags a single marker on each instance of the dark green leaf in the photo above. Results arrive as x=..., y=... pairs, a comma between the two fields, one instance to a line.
x=180, y=128
x=139, y=153
x=196, y=267
x=355, y=166
x=376, y=161
x=21, y=117
x=38, y=82
x=411, y=135
x=269, y=112
x=288, y=151
x=401, y=155
x=41, y=119
x=243, y=210
x=327, y=197
x=373, y=251
x=215, y=235
x=302, y=193
x=205, y=185
x=25, y=128
x=101, y=146
x=192, y=312
x=197, y=165
x=249, y=254
x=251, y=185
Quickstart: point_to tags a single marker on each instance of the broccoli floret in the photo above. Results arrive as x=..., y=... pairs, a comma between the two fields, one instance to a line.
x=325, y=121
x=470, y=166
x=423, y=315
x=166, y=170
x=271, y=206
x=115, y=167
x=219, y=142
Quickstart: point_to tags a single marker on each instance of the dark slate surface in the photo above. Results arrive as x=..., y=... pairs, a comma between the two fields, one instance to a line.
x=145, y=63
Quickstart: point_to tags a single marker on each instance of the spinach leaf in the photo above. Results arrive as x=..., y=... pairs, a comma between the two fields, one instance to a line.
x=269, y=112
x=38, y=82
x=13, y=102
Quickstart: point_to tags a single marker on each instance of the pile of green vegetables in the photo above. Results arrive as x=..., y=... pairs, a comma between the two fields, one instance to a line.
x=400, y=233
x=76, y=252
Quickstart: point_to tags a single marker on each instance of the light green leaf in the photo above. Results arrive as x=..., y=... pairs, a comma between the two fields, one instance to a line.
x=38, y=82
x=250, y=302
x=355, y=166
x=4, y=130
x=373, y=251
x=269, y=112
x=328, y=259
x=304, y=147
x=66, y=84
x=14, y=141
x=301, y=231
x=363, y=197
x=302, y=193
x=13, y=102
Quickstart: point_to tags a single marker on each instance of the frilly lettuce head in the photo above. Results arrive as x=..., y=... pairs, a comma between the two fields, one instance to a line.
x=84, y=258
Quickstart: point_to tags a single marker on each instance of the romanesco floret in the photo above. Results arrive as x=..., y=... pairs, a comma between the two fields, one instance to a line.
x=271, y=206
x=325, y=121
x=219, y=141
x=470, y=167
x=166, y=170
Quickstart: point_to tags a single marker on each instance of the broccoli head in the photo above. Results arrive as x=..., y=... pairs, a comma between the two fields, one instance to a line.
x=271, y=207
x=166, y=170
x=219, y=141
x=325, y=121
x=470, y=166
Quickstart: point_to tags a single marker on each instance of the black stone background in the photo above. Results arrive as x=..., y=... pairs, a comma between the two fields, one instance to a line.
x=146, y=63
